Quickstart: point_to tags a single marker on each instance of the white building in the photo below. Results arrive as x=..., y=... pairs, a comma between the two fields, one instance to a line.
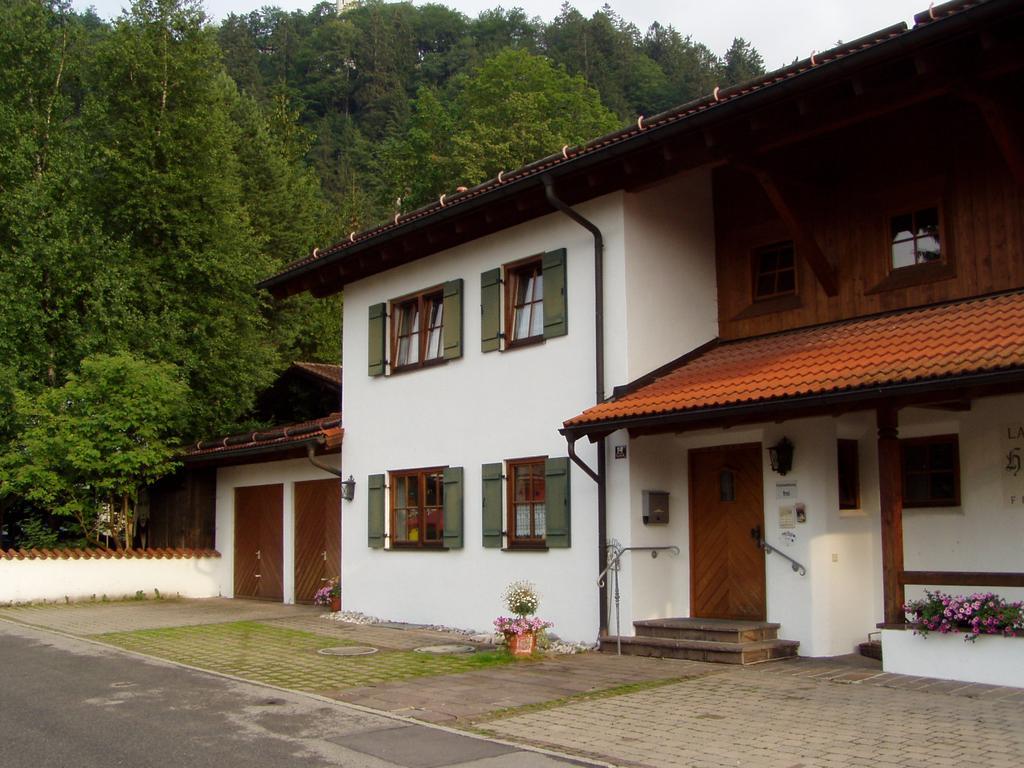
x=800, y=257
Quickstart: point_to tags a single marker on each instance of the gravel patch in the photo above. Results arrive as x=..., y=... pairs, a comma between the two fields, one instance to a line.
x=553, y=643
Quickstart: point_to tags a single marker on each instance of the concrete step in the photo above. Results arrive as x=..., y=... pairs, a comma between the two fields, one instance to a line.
x=713, y=630
x=751, y=652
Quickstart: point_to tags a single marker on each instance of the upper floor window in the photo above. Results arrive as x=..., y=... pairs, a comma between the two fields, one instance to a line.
x=416, y=329
x=417, y=507
x=524, y=302
x=527, y=509
x=931, y=471
x=774, y=271
x=524, y=284
x=914, y=237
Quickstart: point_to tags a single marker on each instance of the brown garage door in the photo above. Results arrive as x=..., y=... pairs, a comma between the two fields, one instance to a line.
x=317, y=536
x=258, y=542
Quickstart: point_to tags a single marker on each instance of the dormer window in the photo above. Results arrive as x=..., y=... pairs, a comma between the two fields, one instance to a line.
x=914, y=237
x=774, y=271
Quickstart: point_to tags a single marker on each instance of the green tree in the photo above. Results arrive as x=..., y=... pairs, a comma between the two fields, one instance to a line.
x=741, y=62
x=88, y=447
x=160, y=119
x=515, y=108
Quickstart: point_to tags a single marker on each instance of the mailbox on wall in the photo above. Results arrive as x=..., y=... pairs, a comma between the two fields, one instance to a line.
x=655, y=508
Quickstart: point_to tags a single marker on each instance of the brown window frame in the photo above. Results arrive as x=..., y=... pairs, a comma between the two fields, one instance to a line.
x=422, y=475
x=848, y=473
x=922, y=273
x=756, y=272
x=532, y=541
x=422, y=300
x=905, y=473
x=512, y=274
x=913, y=211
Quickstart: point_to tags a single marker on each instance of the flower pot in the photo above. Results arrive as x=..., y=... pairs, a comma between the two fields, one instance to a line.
x=990, y=659
x=521, y=645
x=335, y=603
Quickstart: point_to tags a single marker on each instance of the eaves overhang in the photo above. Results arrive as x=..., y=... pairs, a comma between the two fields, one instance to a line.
x=517, y=196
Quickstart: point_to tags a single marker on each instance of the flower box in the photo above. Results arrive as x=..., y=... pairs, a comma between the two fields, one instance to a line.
x=991, y=659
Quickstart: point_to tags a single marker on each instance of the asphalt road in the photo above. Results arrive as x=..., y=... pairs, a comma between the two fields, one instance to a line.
x=69, y=702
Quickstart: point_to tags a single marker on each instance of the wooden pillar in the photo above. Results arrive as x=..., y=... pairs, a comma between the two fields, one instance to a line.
x=890, y=491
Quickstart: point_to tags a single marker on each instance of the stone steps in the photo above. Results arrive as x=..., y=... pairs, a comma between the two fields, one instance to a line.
x=714, y=640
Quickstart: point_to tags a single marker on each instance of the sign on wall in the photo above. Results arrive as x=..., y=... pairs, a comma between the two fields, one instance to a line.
x=1013, y=464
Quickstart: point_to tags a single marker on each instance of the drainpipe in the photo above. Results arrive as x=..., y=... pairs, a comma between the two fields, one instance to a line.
x=310, y=448
x=599, y=476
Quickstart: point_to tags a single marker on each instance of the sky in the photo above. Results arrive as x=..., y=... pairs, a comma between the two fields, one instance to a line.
x=782, y=30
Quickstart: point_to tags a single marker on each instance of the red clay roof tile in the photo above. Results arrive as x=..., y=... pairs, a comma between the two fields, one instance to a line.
x=972, y=336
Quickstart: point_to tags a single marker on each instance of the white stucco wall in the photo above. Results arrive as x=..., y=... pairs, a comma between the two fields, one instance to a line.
x=286, y=472
x=24, y=581
x=985, y=533
x=839, y=602
x=477, y=409
x=669, y=271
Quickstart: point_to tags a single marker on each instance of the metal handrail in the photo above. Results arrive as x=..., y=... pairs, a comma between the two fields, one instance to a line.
x=615, y=553
x=769, y=549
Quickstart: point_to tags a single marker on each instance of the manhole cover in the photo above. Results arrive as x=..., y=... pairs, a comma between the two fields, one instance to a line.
x=446, y=649
x=347, y=650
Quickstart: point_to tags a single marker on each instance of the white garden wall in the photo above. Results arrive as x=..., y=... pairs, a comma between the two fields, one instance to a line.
x=56, y=578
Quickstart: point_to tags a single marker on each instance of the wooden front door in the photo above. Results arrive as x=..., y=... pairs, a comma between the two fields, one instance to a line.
x=317, y=536
x=726, y=503
x=258, y=542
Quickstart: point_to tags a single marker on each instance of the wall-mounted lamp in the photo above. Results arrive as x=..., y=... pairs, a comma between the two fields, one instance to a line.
x=780, y=456
x=348, y=488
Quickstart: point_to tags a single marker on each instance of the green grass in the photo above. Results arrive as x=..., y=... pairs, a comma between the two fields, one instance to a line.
x=288, y=657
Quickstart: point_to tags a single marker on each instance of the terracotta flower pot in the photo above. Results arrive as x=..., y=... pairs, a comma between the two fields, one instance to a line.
x=521, y=645
x=335, y=603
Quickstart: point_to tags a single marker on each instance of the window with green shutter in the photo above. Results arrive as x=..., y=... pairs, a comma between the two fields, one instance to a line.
x=453, y=319
x=490, y=310
x=453, y=507
x=534, y=301
x=377, y=335
x=557, y=493
x=556, y=316
x=375, y=511
x=493, y=518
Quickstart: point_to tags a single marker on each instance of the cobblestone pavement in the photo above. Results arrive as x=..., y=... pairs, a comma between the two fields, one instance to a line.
x=786, y=715
x=803, y=713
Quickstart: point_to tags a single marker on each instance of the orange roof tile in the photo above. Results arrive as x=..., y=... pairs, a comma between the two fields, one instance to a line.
x=949, y=340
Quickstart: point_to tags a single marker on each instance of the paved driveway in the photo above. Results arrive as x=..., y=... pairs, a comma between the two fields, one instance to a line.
x=626, y=711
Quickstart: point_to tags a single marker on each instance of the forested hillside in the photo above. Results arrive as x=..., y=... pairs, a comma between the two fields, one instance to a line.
x=154, y=168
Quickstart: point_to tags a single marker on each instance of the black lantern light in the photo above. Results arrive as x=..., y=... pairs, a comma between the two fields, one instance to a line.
x=348, y=488
x=780, y=456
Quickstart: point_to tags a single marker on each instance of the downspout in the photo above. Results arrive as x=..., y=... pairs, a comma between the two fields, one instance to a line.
x=310, y=448
x=599, y=476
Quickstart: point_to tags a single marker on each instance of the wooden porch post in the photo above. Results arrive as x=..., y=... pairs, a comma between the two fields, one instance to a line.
x=890, y=492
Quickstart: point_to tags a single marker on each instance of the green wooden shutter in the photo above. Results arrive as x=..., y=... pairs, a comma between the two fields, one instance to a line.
x=453, y=506
x=492, y=512
x=556, y=318
x=377, y=331
x=375, y=516
x=452, y=319
x=556, y=491
x=490, y=310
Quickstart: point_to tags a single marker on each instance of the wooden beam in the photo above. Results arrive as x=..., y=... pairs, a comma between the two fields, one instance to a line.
x=890, y=492
x=1003, y=126
x=963, y=578
x=807, y=244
